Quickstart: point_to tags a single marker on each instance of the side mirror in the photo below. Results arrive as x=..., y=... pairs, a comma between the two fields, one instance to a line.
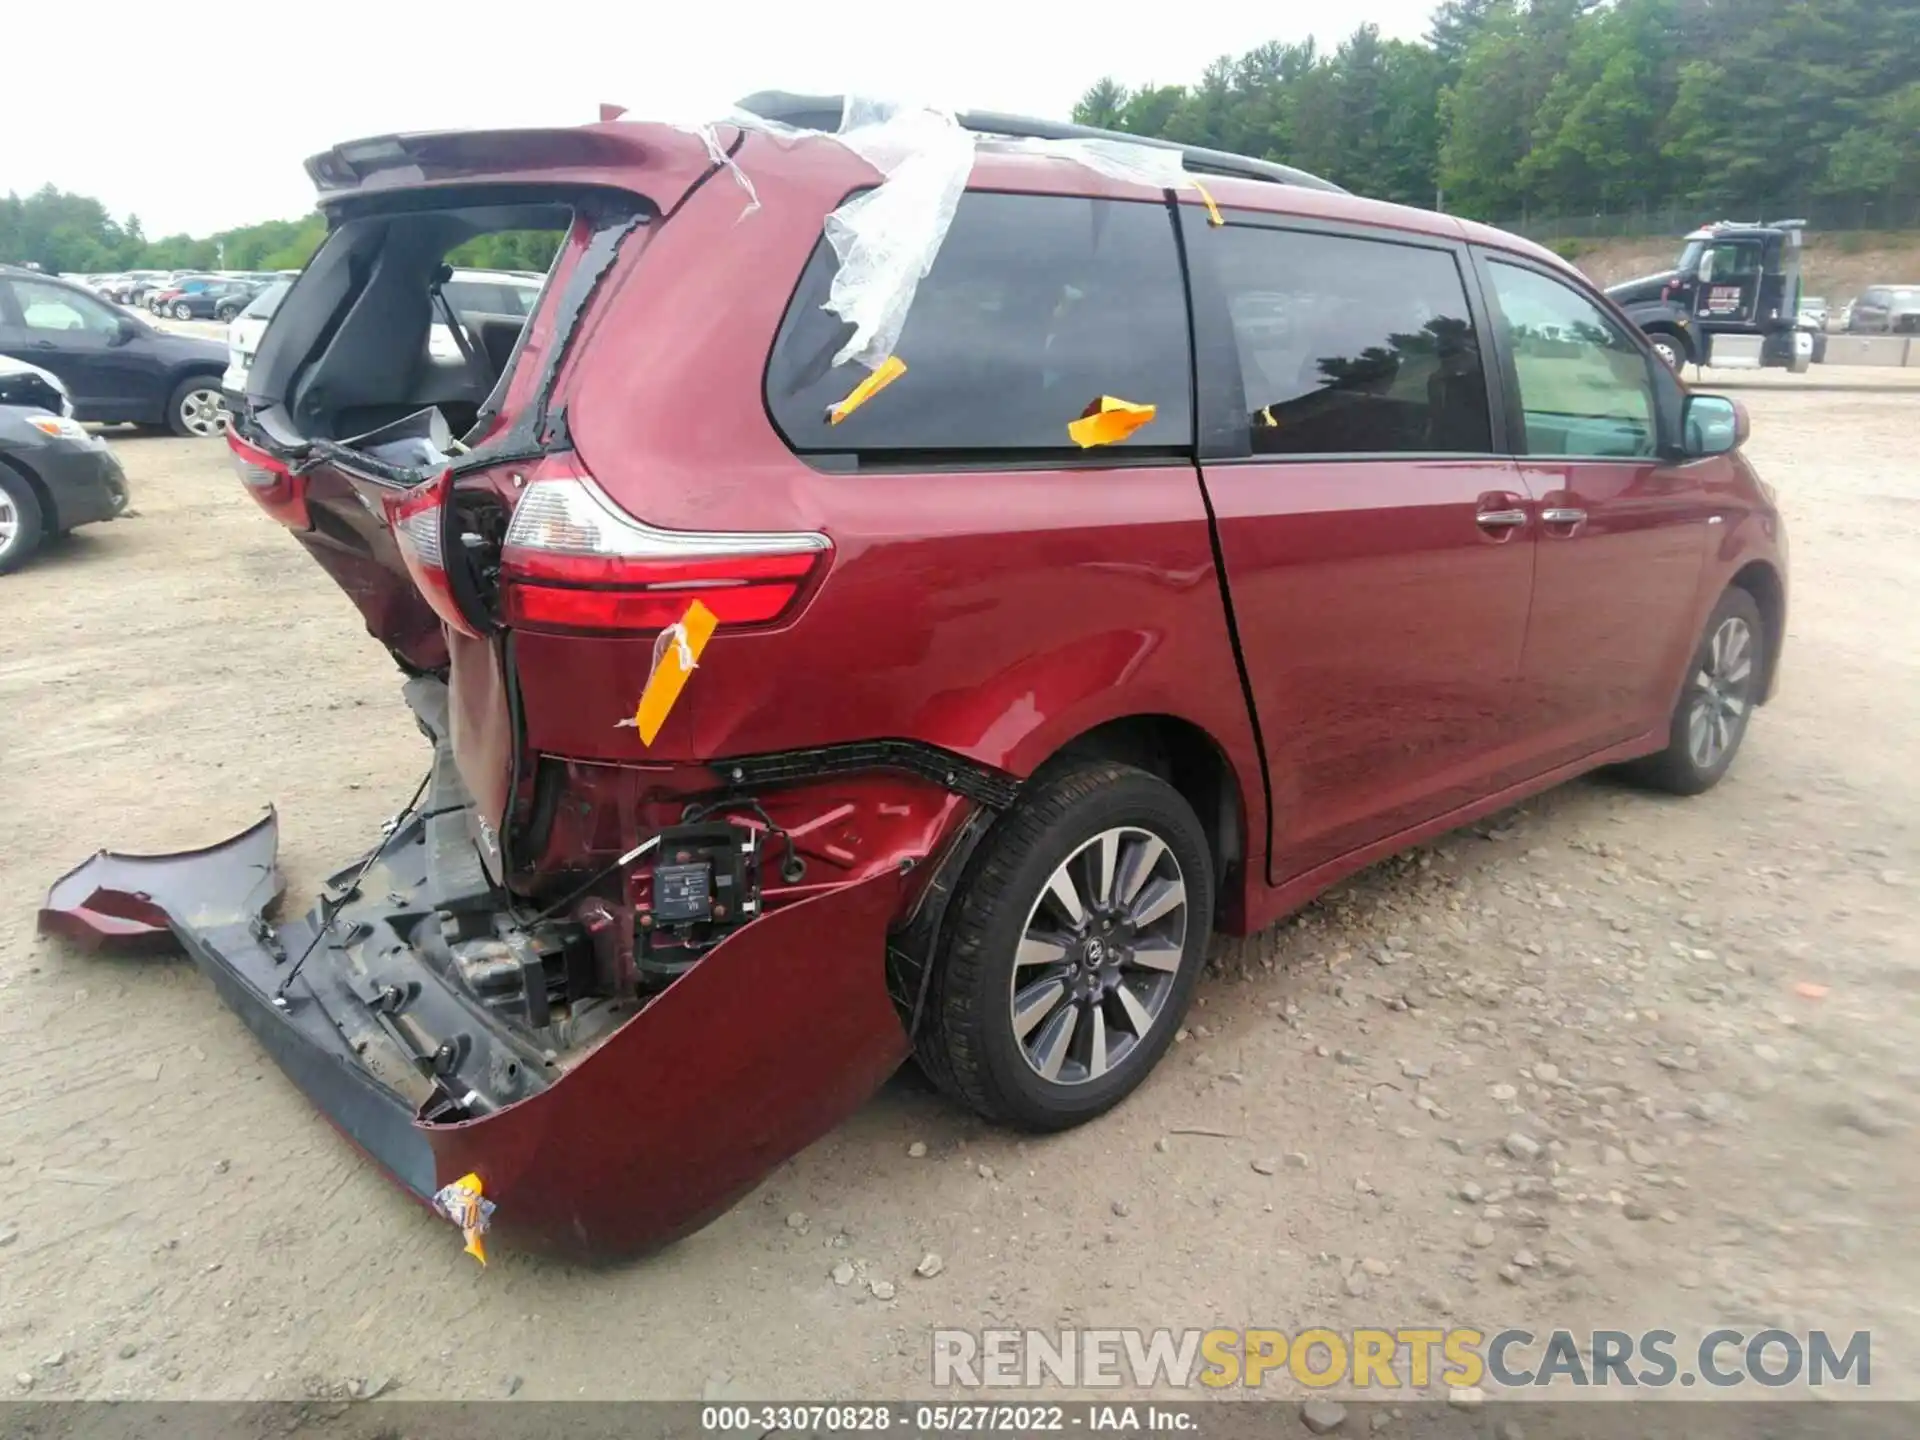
x=129, y=329
x=1713, y=425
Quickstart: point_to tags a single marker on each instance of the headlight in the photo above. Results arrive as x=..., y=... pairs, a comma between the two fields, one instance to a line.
x=58, y=426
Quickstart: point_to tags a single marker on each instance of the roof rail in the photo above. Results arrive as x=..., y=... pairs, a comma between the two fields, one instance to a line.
x=822, y=112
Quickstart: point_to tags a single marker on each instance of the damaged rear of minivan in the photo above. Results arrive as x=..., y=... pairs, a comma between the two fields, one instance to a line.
x=761, y=748
x=604, y=983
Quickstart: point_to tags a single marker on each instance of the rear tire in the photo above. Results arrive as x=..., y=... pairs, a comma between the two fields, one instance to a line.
x=21, y=523
x=1716, y=702
x=1041, y=1021
x=1668, y=347
x=198, y=408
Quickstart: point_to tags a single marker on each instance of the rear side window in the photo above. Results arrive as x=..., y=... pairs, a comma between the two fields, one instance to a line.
x=1036, y=306
x=1351, y=346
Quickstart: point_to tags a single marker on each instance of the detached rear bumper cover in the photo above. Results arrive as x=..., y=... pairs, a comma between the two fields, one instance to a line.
x=775, y=1035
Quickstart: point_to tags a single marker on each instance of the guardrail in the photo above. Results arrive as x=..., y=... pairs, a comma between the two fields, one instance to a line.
x=1899, y=351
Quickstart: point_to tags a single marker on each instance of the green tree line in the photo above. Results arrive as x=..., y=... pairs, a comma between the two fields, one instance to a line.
x=1571, y=106
x=65, y=233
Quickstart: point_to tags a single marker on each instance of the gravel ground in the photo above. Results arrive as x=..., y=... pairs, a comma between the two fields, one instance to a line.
x=1696, y=1020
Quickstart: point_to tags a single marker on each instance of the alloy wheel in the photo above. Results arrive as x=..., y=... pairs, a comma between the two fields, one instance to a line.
x=9, y=524
x=1722, y=690
x=1098, y=956
x=204, y=412
x=182, y=311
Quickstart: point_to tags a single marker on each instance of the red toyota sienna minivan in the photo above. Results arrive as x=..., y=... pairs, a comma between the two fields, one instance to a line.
x=788, y=718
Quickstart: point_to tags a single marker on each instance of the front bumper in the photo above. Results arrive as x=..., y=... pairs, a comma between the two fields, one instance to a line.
x=773, y=1037
x=84, y=479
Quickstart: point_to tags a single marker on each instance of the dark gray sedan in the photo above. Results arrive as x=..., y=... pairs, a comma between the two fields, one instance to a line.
x=54, y=475
x=1886, y=310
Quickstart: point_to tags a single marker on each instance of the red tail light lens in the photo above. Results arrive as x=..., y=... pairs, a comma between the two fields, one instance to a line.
x=418, y=518
x=574, y=562
x=279, y=492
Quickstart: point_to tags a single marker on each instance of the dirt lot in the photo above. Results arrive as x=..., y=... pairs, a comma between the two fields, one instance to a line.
x=1620, y=979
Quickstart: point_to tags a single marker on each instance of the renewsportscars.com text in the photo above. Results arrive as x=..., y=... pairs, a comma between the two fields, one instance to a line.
x=1399, y=1359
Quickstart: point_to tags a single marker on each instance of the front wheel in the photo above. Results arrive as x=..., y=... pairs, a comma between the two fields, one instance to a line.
x=197, y=407
x=1710, y=720
x=1670, y=350
x=1077, y=939
x=182, y=310
x=20, y=521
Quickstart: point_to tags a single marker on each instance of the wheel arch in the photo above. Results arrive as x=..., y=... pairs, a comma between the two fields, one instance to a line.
x=1762, y=581
x=1673, y=332
x=1192, y=762
x=49, y=512
x=193, y=370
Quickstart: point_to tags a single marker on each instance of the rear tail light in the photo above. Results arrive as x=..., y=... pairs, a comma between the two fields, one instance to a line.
x=574, y=562
x=280, y=492
x=418, y=519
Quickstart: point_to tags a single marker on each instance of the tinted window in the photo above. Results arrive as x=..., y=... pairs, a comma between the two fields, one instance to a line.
x=1351, y=346
x=1585, y=388
x=1036, y=306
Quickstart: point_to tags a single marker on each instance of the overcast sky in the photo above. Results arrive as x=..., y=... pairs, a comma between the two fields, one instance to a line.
x=208, y=131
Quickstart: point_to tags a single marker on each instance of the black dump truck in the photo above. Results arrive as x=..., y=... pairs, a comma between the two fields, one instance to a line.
x=1732, y=278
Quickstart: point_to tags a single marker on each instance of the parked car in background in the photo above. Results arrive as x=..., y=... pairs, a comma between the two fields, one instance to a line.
x=115, y=365
x=220, y=300
x=228, y=306
x=163, y=295
x=1813, y=308
x=54, y=475
x=493, y=305
x=1885, y=310
x=1173, y=572
x=243, y=335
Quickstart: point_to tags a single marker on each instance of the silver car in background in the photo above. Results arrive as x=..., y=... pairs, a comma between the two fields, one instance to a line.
x=1885, y=310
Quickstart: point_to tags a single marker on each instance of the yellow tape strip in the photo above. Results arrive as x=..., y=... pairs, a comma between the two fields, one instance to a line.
x=1108, y=421
x=1213, y=210
x=669, y=676
x=891, y=369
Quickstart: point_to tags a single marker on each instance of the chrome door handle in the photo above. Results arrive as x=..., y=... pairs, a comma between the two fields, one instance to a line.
x=1500, y=519
x=1562, y=515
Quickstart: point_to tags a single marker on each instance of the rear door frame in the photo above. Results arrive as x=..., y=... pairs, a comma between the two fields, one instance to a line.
x=1222, y=435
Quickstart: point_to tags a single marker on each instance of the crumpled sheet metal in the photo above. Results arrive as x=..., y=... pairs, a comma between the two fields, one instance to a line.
x=887, y=238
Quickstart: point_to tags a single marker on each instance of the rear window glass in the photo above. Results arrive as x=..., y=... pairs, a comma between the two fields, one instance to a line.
x=1036, y=306
x=1351, y=346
